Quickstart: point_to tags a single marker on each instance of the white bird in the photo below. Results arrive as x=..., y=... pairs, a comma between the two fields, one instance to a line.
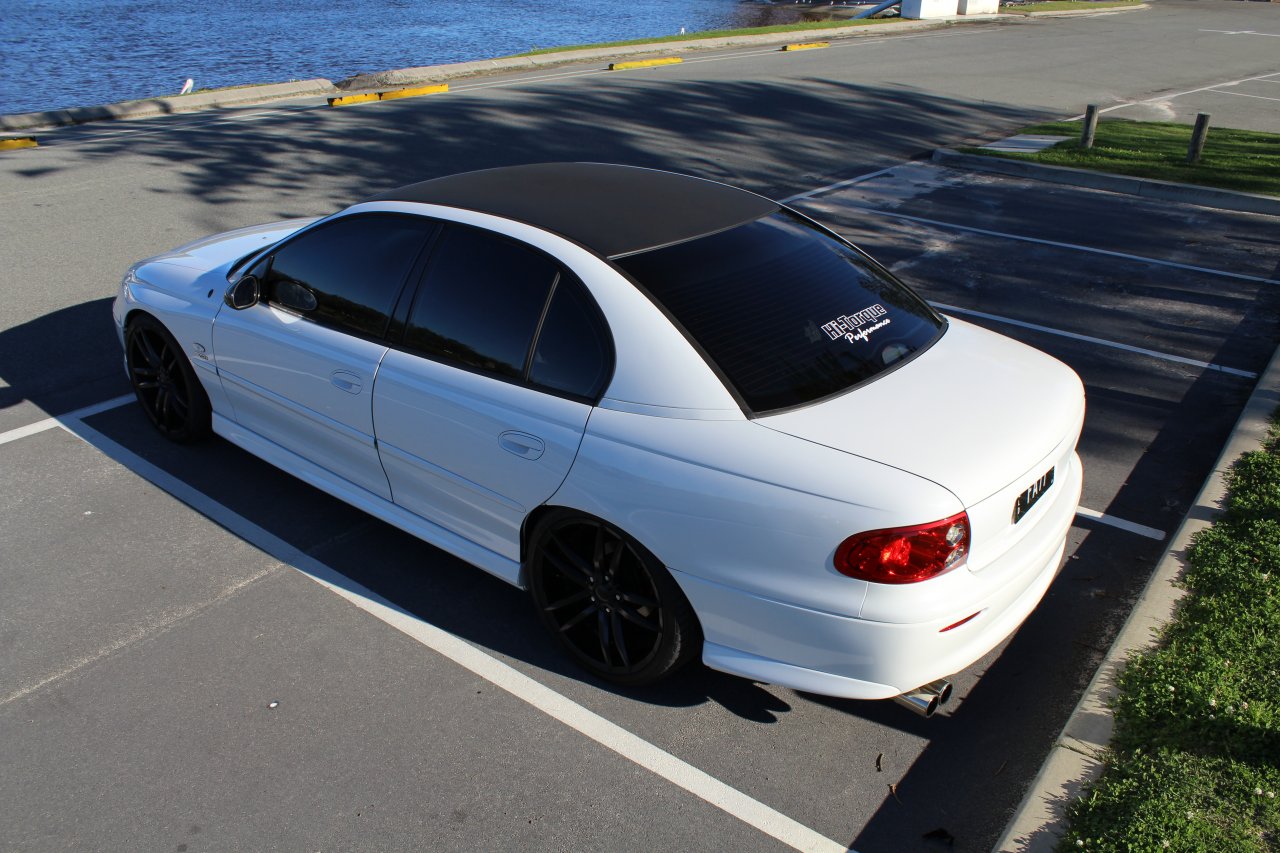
x=187, y=86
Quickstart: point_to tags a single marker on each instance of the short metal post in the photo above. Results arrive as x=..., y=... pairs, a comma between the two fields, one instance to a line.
x=1197, y=138
x=1090, y=126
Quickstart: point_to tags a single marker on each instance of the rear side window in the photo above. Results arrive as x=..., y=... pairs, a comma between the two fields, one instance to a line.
x=481, y=302
x=784, y=311
x=572, y=355
x=347, y=274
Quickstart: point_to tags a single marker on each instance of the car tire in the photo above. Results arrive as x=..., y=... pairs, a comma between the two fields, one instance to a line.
x=165, y=382
x=609, y=602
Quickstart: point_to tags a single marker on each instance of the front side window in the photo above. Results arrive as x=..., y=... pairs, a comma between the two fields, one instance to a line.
x=347, y=274
x=787, y=313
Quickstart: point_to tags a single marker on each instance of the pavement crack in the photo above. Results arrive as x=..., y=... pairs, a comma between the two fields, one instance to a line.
x=139, y=633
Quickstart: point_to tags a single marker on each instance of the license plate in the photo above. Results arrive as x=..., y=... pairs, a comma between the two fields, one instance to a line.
x=1028, y=499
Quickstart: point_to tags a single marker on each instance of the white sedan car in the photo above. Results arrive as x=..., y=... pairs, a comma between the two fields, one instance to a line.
x=689, y=420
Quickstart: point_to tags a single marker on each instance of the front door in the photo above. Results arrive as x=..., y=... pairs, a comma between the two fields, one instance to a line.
x=299, y=367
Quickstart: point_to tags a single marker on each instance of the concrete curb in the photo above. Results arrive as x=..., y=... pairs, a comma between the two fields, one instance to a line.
x=165, y=106
x=440, y=73
x=1146, y=187
x=1076, y=758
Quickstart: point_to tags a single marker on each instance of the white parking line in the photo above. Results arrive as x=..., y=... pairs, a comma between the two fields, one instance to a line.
x=1035, y=327
x=62, y=420
x=604, y=732
x=1246, y=94
x=1170, y=97
x=1243, y=33
x=1120, y=523
x=1075, y=247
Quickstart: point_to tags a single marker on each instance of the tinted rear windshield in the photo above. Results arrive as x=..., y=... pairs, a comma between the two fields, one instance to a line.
x=786, y=312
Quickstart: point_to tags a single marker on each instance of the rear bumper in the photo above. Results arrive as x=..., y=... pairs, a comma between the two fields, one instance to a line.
x=839, y=655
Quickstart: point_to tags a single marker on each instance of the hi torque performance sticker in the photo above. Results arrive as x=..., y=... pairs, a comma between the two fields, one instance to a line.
x=859, y=326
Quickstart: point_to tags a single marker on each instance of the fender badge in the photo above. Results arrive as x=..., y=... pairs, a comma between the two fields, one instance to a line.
x=201, y=353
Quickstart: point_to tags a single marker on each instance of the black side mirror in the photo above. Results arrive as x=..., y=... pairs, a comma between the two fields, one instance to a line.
x=244, y=293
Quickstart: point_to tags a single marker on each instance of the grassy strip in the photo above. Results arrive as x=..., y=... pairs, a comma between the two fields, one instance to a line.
x=1244, y=160
x=1195, y=761
x=804, y=26
x=1064, y=6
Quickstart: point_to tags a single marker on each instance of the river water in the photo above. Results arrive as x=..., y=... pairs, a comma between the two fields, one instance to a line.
x=63, y=53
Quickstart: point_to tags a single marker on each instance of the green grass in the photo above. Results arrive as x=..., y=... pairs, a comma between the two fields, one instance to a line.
x=1064, y=6
x=1195, y=760
x=805, y=26
x=1243, y=160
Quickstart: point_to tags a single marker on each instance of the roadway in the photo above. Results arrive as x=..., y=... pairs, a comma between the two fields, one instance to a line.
x=171, y=676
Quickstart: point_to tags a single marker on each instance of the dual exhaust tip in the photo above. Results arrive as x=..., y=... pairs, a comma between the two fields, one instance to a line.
x=927, y=699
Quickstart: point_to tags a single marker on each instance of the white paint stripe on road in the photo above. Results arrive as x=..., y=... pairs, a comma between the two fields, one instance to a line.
x=1246, y=94
x=141, y=632
x=1035, y=327
x=61, y=420
x=1121, y=524
x=1075, y=247
x=501, y=675
x=1243, y=33
x=840, y=184
x=1170, y=97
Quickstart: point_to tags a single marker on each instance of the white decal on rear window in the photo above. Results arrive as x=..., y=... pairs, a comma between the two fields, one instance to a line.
x=852, y=327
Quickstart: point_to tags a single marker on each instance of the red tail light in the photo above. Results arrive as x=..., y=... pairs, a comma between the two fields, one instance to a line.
x=905, y=554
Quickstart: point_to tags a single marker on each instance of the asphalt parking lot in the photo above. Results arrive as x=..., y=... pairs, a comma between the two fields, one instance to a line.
x=173, y=677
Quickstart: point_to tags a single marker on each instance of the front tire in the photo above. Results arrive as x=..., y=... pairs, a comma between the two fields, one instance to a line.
x=611, y=604
x=165, y=382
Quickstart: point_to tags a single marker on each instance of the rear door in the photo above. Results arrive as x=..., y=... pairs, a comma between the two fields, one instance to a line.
x=480, y=409
x=299, y=366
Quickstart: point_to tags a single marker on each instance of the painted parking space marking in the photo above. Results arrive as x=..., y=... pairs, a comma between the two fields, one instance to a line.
x=1213, y=87
x=1061, y=245
x=1036, y=327
x=63, y=420
x=1121, y=524
x=1243, y=33
x=599, y=729
x=1245, y=94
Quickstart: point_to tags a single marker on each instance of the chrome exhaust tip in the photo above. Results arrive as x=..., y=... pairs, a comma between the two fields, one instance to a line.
x=919, y=701
x=926, y=700
x=940, y=688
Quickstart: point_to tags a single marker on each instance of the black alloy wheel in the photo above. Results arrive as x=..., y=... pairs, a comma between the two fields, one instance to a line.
x=165, y=382
x=609, y=602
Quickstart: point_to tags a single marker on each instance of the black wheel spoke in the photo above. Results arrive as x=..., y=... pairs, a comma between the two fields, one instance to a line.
x=639, y=600
x=636, y=619
x=590, y=608
x=572, y=568
x=597, y=555
x=619, y=642
x=149, y=350
x=602, y=631
x=572, y=599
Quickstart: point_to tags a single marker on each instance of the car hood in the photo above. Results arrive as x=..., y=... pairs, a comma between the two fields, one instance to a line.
x=973, y=413
x=208, y=253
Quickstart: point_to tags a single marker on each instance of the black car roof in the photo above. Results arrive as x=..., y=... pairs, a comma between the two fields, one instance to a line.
x=611, y=210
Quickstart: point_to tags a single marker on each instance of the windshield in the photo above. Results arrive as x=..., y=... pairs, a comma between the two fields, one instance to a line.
x=786, y=312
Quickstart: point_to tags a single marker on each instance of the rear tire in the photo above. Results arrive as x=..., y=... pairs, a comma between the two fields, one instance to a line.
x=610, y=604
x=165, y=382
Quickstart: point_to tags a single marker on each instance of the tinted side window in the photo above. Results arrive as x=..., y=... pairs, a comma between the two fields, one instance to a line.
x=481, y=302
x=348, y=273
x=572, y=355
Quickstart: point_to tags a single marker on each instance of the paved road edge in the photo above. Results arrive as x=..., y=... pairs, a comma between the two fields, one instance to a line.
x=1076, y=756
x=166, y=106
x=1146, y=187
